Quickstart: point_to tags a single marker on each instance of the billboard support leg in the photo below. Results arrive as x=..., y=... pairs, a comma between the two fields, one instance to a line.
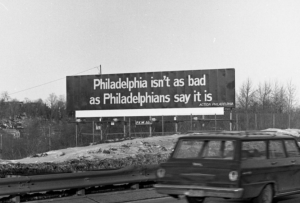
x=129, y=128
x=93, y=132
x=191, y=122
x=215, y=122
x=76, y=133
x=162, y=125
x=150, y=127
x=176, y=124
x=124, y=127
x=230, y=124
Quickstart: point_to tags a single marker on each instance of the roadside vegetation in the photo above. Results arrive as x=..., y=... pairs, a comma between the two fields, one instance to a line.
x=29, y=128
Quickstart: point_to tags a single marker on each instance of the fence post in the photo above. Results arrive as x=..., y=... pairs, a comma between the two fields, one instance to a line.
x=247, y=121
x=237, y=121
x=49, y=137
x=129, y=128
x=150, y=127
x=273, y=120
x=289, y=121
x=191, y=122
x=215, y=122
x=76, y=133
x=1, y=147
x=176, y=124
x=124, y=127
x=162, y=125
x=93, y=126
x=230, y=123
x=255, y=121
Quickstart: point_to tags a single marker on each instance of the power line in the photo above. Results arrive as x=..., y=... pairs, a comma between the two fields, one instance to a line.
x=48, y=82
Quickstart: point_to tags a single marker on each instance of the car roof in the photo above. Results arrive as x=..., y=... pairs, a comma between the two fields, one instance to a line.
x=242, y=135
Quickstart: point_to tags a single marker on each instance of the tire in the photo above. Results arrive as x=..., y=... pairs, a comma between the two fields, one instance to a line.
x=265, y=196
x=195, y=199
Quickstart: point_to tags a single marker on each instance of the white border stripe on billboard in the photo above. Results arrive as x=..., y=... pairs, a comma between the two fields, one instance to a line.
x=150, y=112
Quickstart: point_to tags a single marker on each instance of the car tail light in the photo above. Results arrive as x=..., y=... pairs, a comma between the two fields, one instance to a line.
x=161, y=172
x=233, y=175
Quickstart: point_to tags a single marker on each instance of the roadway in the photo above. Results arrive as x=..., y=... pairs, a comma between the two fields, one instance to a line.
x=146, y=196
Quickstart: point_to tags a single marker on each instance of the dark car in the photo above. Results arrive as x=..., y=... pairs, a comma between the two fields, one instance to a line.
x=256, y=165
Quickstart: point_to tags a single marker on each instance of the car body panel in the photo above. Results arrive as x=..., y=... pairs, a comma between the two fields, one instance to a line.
x=201, y=176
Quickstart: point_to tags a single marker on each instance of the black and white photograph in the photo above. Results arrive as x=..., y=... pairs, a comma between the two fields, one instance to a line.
x=149, y=101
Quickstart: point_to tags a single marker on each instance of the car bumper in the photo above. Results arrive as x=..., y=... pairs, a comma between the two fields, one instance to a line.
x=199, y=191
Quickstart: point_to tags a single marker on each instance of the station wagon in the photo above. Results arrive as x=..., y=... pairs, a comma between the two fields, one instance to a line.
x=257, y=166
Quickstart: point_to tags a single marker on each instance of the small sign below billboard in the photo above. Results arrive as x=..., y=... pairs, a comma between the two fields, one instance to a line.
x=97, y=127
x=143, y=122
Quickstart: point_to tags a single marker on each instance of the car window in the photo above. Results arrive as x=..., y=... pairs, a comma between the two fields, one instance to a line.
x=228, y=149
x=291, y=148
x=207, y=149
x=212, y=149
x=188, y=149
x=276, y=149
x=253, y=150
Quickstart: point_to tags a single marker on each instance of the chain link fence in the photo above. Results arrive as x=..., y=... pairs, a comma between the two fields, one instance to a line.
x=44, y=137
x=137, y=127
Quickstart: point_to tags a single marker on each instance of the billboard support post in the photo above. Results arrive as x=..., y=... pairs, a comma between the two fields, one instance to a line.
x=101, y=126
x=129, y=128
x=191, y=122
x=124, y=126
x=150, y=126
x=230, y=123
x=215, y=122
x=76, y=134
x=162, y=125
x=176, y=124
x=93, y=132
x=101, y=134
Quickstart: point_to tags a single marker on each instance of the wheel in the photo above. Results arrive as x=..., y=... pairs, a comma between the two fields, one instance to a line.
x=265, y=196
x=195, y=199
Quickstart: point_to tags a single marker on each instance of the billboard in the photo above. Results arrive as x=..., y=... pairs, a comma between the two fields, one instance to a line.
x=151, y=90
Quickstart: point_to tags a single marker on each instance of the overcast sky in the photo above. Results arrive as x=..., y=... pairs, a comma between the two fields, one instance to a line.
x=46, y=40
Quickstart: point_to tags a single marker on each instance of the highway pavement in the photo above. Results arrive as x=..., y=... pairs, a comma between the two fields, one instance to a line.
x=147, y=196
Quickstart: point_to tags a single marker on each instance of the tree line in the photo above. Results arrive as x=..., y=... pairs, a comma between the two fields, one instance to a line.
x=46, y=125
x=43, y=125
x=267, y=98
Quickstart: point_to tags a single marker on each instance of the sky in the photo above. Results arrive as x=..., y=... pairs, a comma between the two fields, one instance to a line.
x=43, y=41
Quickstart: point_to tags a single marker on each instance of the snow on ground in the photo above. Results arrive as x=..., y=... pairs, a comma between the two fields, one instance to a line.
x=293, y=132
x=149, y=145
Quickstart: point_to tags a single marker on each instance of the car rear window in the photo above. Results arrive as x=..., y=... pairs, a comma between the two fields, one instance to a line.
x=205, y=149
x=254, y=150
x=276, y=149
x=291, y=148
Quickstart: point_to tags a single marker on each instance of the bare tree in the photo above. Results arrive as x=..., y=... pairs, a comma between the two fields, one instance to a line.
x=5, y=96
x=291, y=96
x=246, y=98
x=246, y=95
x=52, y=104
x=264, y=93
x=278, y=98
x=291, y=99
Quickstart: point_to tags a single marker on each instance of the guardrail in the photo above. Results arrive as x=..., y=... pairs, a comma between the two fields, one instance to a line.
x=40, y=183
